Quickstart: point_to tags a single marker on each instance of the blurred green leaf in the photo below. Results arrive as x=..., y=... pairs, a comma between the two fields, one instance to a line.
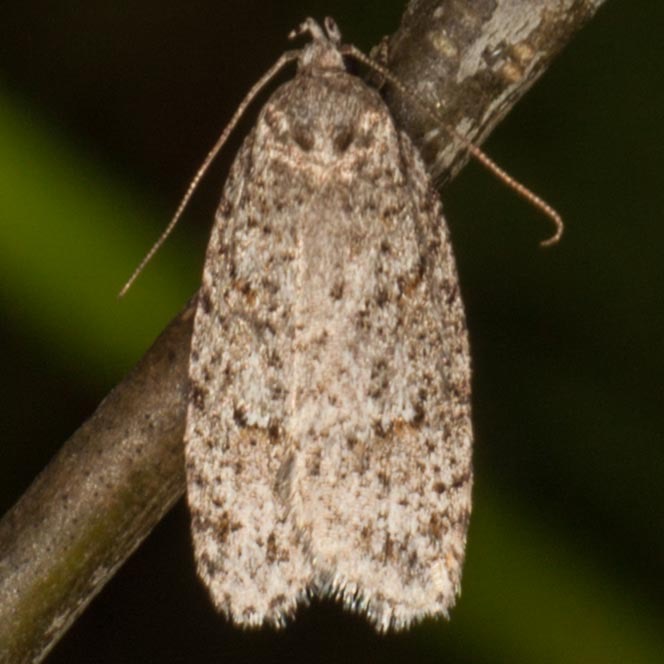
x=529, y=595
x=70, y=235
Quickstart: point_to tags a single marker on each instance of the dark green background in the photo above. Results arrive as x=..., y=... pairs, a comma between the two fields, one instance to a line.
x=105, y=111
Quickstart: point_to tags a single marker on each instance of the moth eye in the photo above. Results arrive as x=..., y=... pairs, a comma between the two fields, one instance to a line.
x=303, y=138
x=342, y=139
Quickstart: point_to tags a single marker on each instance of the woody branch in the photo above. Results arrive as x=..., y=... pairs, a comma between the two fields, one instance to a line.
x=116, y=477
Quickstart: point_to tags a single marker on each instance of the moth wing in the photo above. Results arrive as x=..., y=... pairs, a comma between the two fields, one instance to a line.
x=384, y=480
x=246, y=547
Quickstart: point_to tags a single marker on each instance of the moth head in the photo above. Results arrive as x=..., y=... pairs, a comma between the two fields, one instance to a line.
x=324, y=118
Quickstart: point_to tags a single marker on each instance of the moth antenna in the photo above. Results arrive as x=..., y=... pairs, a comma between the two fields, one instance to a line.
x=285, y=59
x=476, y=152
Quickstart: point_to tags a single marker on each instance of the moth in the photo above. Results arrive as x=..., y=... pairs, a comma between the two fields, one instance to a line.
x=328, y=435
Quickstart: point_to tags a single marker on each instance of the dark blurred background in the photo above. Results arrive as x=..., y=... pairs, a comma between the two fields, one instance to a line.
x=106, y=109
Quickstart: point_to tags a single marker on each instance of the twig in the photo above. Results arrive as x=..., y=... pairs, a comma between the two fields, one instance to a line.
x=122, y=470
x=474, y=62
x=100, y=497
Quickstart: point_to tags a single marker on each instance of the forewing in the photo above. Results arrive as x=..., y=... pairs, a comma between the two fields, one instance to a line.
x=238, y=461
x=385, y=476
